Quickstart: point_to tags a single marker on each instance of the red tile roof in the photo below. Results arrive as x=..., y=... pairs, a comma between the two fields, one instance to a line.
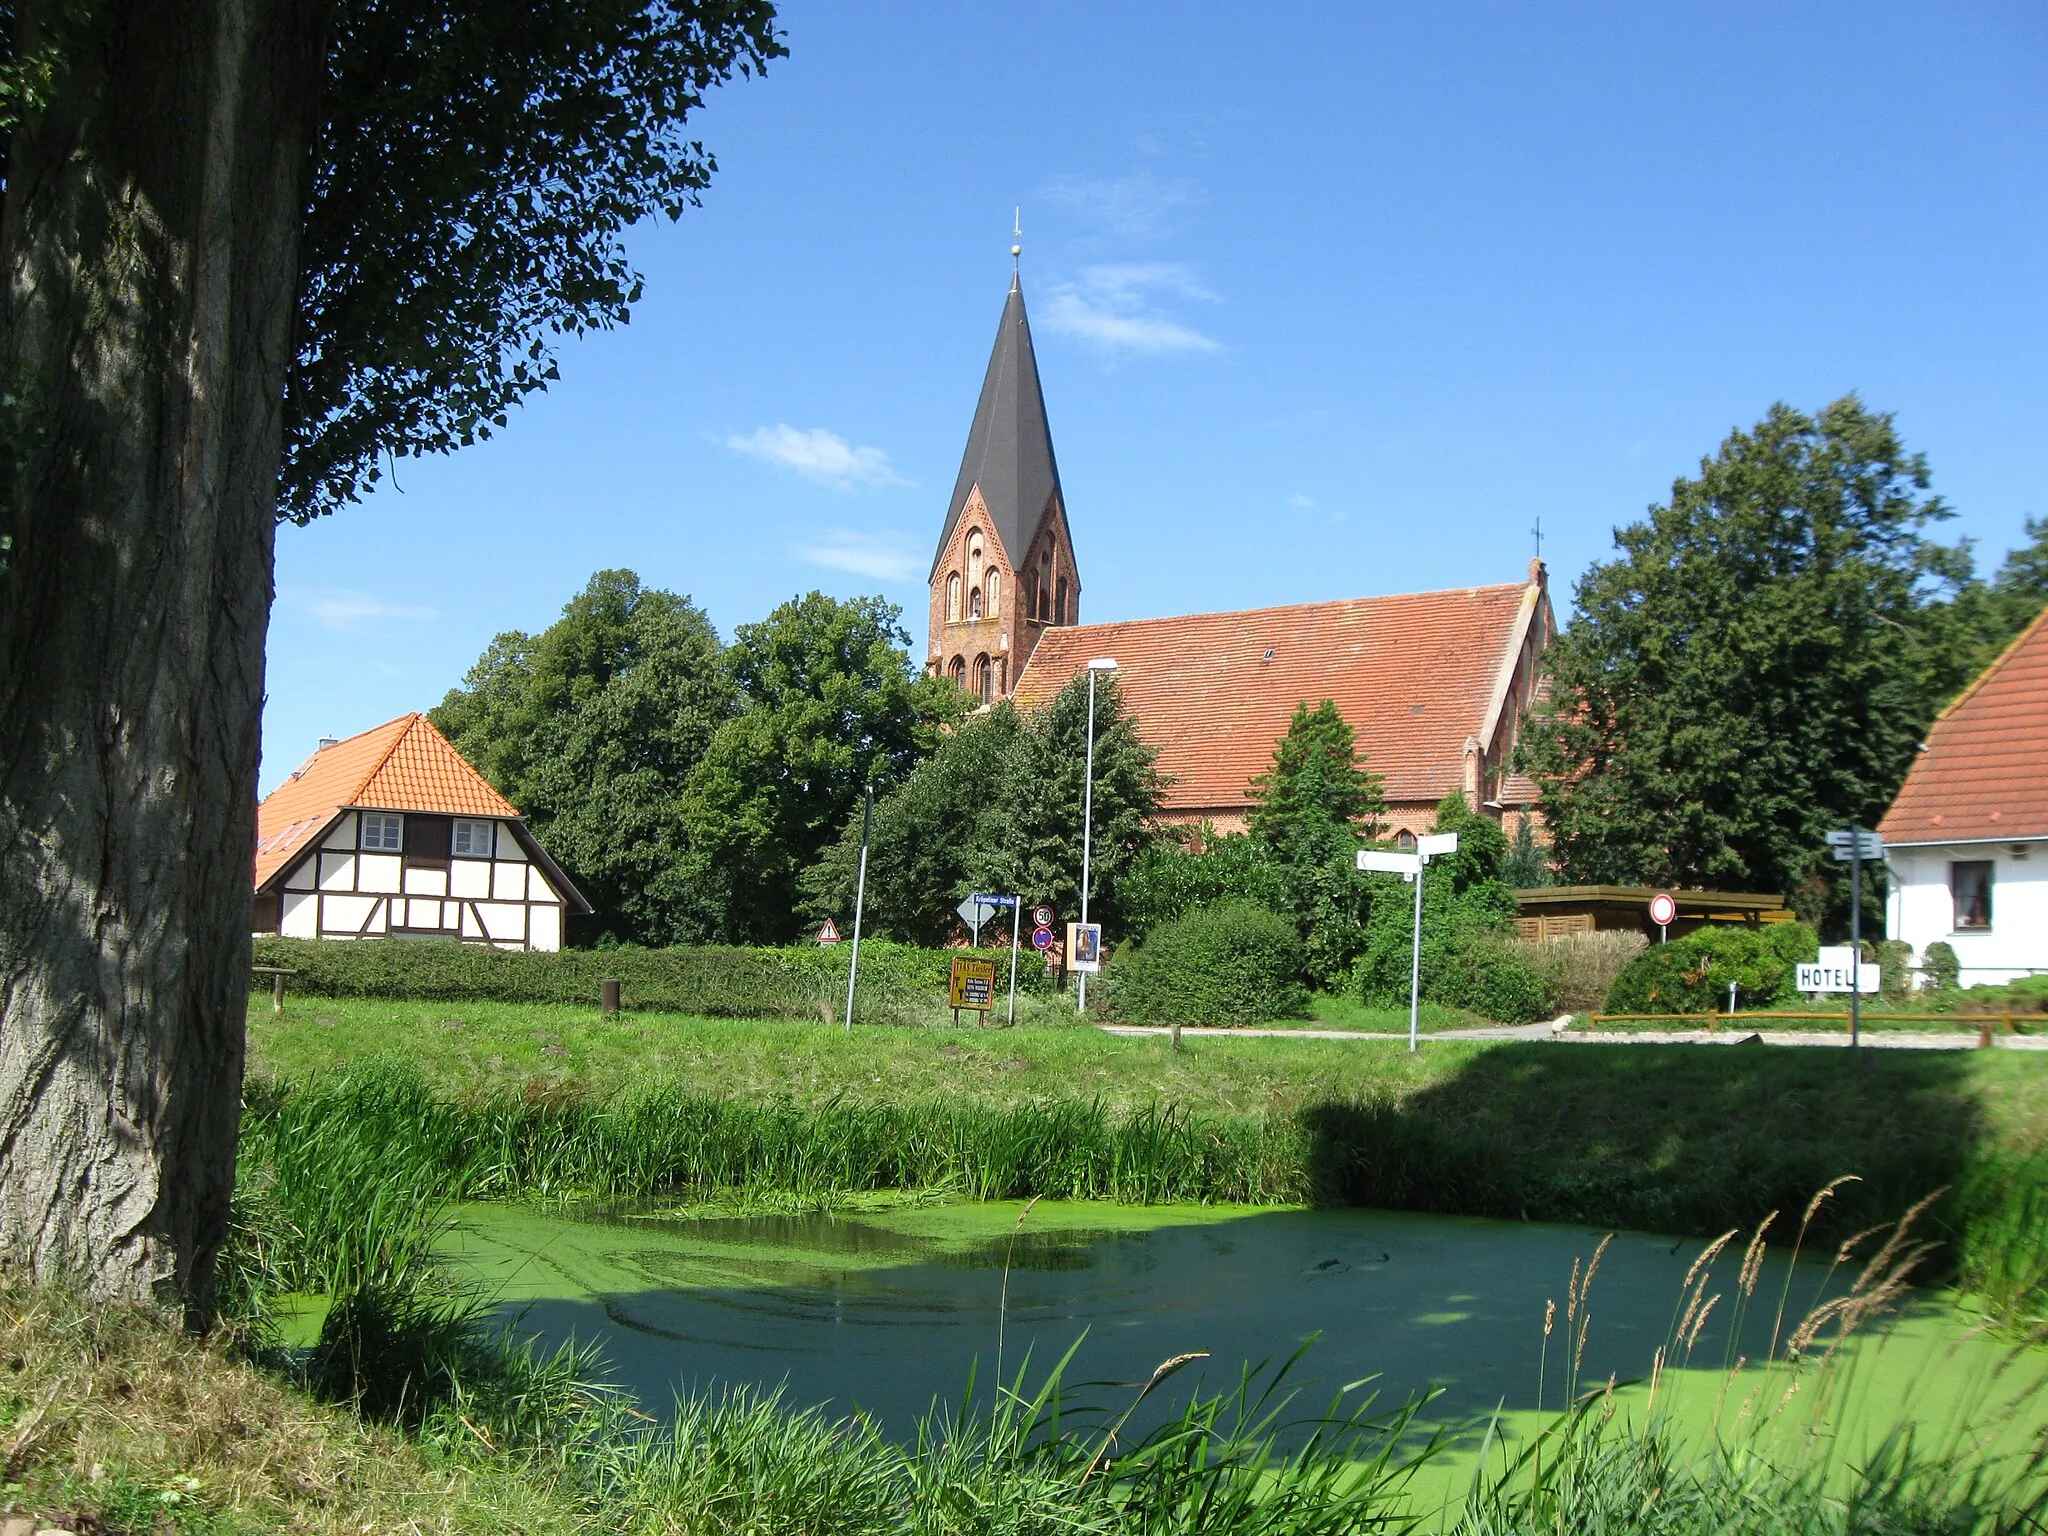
x=401, y=765
x=1984, y=772
x=1415, y=675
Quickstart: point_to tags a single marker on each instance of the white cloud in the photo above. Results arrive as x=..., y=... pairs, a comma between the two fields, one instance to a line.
x=882, y=559
x=1136, y=206
x=1114, y=308
x=817, y=455
x=350, y=612
x=1302, y=503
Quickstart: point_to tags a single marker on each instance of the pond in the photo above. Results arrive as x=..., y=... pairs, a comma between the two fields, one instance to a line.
x=887, y=1310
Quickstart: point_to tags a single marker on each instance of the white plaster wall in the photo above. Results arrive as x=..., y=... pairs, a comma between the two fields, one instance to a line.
x=1921, y=909
x=508, y=882
x=300, y=877
x=380, y=872
x=426, y=882
x=508, y=845
x=344, y=833
x=337, y=871
x=545, y=930
x=504, y=922
x=469, y=877
x=347, y=914
x=298, y=915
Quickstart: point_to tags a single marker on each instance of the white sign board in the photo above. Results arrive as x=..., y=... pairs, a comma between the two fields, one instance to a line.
x=1373, y=861
x=1436, y=844
x=1830, y=973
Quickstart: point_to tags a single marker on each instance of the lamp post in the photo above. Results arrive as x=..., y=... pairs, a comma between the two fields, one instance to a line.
x=1096, y=667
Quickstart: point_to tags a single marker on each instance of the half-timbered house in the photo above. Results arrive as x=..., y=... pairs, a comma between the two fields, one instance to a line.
x=392, y=834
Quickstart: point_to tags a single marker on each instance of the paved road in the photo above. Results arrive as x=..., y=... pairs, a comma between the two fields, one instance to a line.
x=1890, y=1040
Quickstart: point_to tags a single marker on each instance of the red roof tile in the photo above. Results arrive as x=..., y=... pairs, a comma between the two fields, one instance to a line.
x=1984, y=771
x=401, y=765
x=1414, y=675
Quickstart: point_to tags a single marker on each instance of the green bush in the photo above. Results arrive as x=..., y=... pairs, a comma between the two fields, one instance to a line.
x=1895, y=957
x=1488, y=974
x=1234, y=963
x=798, y=981
x=1692, y=975
x=1940, y=970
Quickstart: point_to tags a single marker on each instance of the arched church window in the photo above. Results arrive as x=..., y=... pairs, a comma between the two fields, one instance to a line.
x=984, y=680
x=1030, y=596
x=1405, y=840
x=974, y=604
x=953, y=598
x=958, y=671
x=1059, y=607
x=1045, y=586
x=994, y=587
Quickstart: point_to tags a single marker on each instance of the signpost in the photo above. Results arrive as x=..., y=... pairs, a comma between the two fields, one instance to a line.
x=1662, y=910
x=1016, y=906
x=971, y=983
x=1852, y=846
x=1409, y=867
x=860, y=895
x=976, y=910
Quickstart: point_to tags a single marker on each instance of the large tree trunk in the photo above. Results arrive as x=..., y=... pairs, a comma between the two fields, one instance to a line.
x=150, y=242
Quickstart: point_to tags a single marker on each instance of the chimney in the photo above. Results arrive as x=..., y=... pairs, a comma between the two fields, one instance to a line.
x=326, y=742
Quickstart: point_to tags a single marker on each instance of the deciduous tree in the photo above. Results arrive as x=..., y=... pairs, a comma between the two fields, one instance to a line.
x=241, y=235
x=1758, y=664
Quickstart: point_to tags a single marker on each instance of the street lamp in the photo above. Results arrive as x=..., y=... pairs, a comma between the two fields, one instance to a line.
x=1096, y=667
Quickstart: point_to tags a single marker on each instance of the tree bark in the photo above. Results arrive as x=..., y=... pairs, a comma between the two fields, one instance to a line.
x=150, y=245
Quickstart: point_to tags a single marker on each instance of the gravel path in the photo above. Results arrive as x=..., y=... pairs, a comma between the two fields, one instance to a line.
x=1890, y=1040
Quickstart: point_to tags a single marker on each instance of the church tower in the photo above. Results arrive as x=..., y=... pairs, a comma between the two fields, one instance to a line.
x=1004, y=572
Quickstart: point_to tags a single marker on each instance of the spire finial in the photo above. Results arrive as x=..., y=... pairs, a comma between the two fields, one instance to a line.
x=1017, y=247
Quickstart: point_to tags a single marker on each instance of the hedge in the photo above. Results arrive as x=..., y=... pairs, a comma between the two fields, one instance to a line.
x=1233, y=963
x=1692, y=975
x=717, y=981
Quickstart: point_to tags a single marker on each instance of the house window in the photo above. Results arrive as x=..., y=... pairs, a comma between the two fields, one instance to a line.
x=382, y=833
x=473, y=839
x=1970, y=884
x=953, y=598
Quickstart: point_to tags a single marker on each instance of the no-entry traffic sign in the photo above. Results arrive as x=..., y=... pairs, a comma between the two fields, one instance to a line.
x=1663, y=909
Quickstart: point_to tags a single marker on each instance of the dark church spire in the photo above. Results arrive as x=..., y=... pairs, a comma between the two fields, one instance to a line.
x=1009, y=448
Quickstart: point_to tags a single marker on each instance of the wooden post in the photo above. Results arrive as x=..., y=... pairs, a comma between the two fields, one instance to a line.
x=1713, y=1020
x=608, y=996
x=1984, y=1036
x=277, y=993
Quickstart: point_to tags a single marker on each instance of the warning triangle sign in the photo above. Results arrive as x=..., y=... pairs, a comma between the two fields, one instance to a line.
x=829, y=934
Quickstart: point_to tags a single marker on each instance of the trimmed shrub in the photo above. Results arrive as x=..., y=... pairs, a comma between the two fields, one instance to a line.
x=1940, y=970
x=1488, y=974
x=1692, y=975
x=1579, y=968
x=798, y=981
x=1896, y=958
x=1234, y=963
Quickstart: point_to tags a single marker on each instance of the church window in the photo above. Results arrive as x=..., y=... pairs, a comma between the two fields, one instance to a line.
x=953, y=598
x=974, y=604
x=1059, y=607
x=984, y=680
x=1405, y=840
x=994, y=587
x=958, y=671
x=1030, y=596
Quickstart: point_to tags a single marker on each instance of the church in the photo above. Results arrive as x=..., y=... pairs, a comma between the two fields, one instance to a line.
x=1435, y=684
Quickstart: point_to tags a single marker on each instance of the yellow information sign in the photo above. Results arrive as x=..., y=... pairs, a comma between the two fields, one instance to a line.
x=972, y=983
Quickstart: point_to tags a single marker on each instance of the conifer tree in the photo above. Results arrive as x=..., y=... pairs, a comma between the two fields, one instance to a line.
x=1318, y=794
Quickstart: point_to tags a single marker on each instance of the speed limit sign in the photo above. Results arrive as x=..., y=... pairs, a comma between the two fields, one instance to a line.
x=1041, y=917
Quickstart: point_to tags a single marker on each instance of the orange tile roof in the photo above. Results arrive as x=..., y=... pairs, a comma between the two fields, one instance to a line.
x=401, y=765
x=1414, y=675
x=1984, y=772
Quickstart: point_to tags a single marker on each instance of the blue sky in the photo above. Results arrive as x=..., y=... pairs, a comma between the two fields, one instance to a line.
x=1329, y=301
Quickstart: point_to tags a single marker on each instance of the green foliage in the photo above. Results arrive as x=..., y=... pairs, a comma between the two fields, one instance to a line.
x=1692, y=974
x=1940, y=970
x=1996, y=611
x=1895, y=957
x=799, y=981
x=998, y=808
x=1318, y=798
x=477, y=166
x=1527, y=866
x=1467, y=916
x=924, y=847
x=1171, y=879
x=1758, y=665
x=1234, y=963
x=830, y=703
x=593, y=729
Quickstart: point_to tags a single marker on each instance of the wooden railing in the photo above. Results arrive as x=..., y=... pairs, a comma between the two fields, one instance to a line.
x=1715, y=1019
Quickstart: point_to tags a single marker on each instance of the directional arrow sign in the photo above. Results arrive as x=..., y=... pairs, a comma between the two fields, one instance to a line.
x=1436, y=844
x=1847, y=845
x=1376, y=862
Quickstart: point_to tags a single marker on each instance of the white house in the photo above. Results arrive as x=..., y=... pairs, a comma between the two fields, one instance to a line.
x=1967, y=838
x=391, y=834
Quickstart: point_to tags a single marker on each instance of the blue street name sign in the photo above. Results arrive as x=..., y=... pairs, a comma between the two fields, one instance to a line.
x=993, y=901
